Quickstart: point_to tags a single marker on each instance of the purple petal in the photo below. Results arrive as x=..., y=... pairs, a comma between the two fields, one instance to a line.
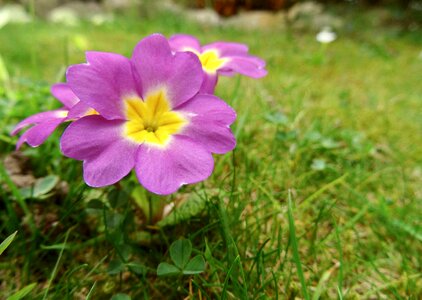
x=107, y=156
x=110, y=166
x=164, y=171
x=42, y=117
x=103, y=83
x=37, y=134
x=64, y=94
x=227, y=49
x=184, y=42
x=89, y=136
x=250, y=66
x=210, y=118
x=209, y=83
x=157, y=67
x=78, y=111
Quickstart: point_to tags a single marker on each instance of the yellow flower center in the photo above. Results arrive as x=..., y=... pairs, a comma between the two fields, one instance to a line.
x=151, y=121
x=210, y=61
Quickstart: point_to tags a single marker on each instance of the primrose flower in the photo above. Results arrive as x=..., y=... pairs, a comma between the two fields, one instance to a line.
x=219, y=58
x=152, y=118
x=45, y=123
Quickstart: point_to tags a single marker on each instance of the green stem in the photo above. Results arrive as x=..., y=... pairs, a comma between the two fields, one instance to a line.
x=150, y=213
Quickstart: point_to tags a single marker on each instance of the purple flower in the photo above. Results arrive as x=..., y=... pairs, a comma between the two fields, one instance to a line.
x=44, y=123
x=151, y=118
x=220, y=58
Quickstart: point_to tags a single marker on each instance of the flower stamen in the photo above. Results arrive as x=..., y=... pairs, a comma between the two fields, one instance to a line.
x=151, y=120
x=211, y=61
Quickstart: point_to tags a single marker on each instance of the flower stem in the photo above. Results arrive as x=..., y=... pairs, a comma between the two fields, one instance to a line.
x=150, y=214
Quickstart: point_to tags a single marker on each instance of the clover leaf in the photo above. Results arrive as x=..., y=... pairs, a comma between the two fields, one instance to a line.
x=180, y=252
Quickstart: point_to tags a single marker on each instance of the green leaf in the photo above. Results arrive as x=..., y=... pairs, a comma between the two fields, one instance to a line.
x=45, y=184
x=136, y=268
x=166, y=269
x=193, y=206
x=121, y=296
x=113, y=220
x=115, y=267
x=124, y=250
x=95, y=204
x=23, y=292
x=7, y=242
x=41, y=187
x=116, y=237
x=143, y=199
x=139, y=194
x=180, y=252
x=118, y=198
x=195, y=266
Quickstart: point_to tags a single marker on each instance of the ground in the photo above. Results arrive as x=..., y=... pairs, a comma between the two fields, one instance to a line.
x=320, y=199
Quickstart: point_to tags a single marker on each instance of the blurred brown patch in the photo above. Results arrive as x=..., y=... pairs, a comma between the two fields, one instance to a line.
x=17, y=166
x=226, y=8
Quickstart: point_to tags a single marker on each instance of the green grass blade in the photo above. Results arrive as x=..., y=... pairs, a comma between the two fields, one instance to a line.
x=91, y=291
x=323, y=189
x=340, y=294
x=53, y=274
x=295, y=249
x=230, y=243
x=7, y=242
x=23, y=292
x=322, y=284
x=340, y=271
x=226, y=280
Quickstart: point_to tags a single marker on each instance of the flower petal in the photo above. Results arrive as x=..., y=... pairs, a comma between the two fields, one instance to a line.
x=209, y=83
x=227, y=49
x=103, y=82
x=78, y=111
x=157, y=67
x=42, y=117
x=210, y=118
x=248, y=65
x=64, y=94
x=88, y=136
x=107, y=156
x=37, y=134
x=111, y=165
x=184, y=42
x=164, y=171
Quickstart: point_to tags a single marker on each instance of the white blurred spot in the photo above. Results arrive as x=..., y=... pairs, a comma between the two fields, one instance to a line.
x=100, y=19
x=13, y=13
x=64, y=15
x=326, y=35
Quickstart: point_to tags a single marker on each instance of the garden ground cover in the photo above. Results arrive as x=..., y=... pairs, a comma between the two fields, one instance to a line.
x=320, y=199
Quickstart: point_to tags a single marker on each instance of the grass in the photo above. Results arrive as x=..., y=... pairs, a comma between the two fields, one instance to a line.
x=321, y=198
